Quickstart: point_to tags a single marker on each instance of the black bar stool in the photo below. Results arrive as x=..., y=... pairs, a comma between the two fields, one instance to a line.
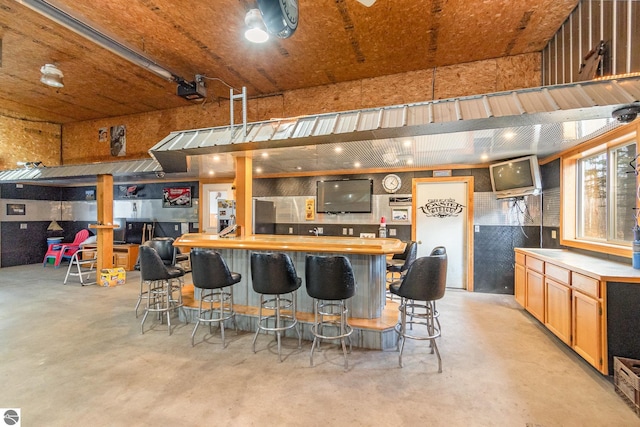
x=167, y=252
x=423, y=284
x=274, y=274
x=212, y=276
x=330, y=282
x=159, y=280
x=400, y=263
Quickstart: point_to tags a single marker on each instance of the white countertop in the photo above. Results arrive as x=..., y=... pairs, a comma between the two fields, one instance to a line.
x=598, y=268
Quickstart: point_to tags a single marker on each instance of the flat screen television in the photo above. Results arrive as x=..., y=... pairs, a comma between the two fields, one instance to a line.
x=516, y=177
x=344, y=196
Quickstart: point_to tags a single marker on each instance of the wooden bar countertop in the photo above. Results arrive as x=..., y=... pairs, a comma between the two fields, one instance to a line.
x=266, y=242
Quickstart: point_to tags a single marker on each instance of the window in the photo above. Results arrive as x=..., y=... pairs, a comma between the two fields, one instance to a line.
x=599, y=194
x=607, y=195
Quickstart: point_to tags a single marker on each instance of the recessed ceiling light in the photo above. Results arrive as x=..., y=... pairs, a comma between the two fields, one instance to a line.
x=409, y=161
x=259, y=170
x=338, y=149
x=356, y=164
x=299, y=168
x=211, y=172
x=265, y=154
x=407, y=143
x=484, y=157
x=216, y=158
x=509, y=135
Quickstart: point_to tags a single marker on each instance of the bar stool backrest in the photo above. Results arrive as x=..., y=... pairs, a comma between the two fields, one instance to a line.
x=411, y=253
x=426, y=279
x=329, y=277
x=164, y=247
x=273, y=273
x=151, y=265
x=439, y=250
x=209, y=270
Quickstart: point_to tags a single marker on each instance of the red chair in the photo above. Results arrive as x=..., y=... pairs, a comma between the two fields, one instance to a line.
x=58, y=251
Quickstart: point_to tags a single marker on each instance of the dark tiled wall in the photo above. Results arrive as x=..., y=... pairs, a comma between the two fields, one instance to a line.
x=493, y=256
x=28, y=246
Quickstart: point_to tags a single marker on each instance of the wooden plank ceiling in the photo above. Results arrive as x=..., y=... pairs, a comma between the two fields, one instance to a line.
x=336, y=41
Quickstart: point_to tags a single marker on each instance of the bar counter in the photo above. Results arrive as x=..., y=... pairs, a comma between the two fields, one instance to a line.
x=269, y=242
x=368, y=258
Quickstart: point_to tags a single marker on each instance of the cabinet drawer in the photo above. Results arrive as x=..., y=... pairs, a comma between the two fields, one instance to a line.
x=120, y=260
x=587, y=285
x=520, y=258
x=558, y=274
x=535, y=264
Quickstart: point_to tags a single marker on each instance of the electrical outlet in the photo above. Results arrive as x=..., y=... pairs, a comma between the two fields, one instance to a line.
x=392, y=232
x=290, y=230
x=320, y=230
x=176, y=227
x=344, y=231
x=351, y=232
x=19, y=186
x=23, y=226
x=368, y=235
x=553, y=234
x=477, y=228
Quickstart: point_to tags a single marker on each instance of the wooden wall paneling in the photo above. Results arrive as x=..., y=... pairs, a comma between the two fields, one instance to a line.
x=28, y=141
x=80, y=139
x=519, y=71
x=464, y=79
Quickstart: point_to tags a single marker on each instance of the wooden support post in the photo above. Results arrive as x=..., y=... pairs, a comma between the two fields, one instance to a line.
x=244, y=191
x=104, y=228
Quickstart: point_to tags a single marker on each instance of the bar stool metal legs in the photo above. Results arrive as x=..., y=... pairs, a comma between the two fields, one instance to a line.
x=332, y=309
x=277, y=304
x=221, y=304
x=142, y=294
x=424, y=318
x=160, y=300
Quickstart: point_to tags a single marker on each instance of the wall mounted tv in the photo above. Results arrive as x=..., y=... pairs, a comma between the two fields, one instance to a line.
x=516, y=177
x=344, y=196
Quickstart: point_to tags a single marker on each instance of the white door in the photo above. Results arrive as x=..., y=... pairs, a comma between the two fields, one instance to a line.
x=210, y=195
x=443, y=214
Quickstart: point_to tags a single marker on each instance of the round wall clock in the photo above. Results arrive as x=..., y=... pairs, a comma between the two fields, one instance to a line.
x=391, y=183
x=280, y=16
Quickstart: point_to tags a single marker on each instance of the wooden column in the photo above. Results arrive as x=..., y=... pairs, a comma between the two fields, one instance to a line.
x=104, y=227
x=244, y=191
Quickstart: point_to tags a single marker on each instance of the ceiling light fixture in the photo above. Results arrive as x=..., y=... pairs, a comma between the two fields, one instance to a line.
x=256, y=32
x=51, y=75
x=47, y=10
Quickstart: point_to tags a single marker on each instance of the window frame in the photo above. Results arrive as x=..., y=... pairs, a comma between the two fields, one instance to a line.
x=569, y=190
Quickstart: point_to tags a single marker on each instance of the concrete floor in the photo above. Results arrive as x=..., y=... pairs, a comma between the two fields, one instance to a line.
x=74, y=356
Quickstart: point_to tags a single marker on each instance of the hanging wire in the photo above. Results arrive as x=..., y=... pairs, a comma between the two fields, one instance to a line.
x=521, y=212
x=221, y=81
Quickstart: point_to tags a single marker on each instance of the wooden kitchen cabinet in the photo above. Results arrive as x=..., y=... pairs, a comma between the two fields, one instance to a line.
x=534, y=287
x=587, y=328
x=124, y=256
x=520, y=285
x=563, y=292
x=558, y=309
x=535, y=294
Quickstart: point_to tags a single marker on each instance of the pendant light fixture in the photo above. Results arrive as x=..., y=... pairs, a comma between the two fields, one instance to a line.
x=51, y=75
x=256, y=32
